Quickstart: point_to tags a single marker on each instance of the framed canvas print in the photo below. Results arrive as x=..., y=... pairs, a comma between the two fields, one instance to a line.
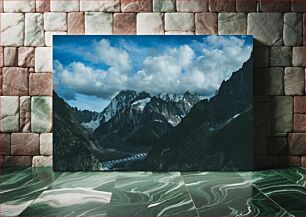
x=153, y=103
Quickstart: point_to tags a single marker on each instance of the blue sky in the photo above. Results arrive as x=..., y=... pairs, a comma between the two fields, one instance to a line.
x=90, y=70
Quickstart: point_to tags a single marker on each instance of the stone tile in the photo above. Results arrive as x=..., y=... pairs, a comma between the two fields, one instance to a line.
x=25, y=114
x=192, y=5
x=206, y=23
x=298, y=56
x=43, y=59
x=297, y=5
x=271, y=6
x=26, y=56
x=280, y=56
x=266, y=28
x=9, y=115
x=1, y=56
x=294, y=81
x=25, y=144
x=5, y=144
x=299, y=104
x=299, y=123
x=261, y=56
x=136, y=5
x=303, y=161
x=100, y=5
x=98, y=23
x=76, y=23
x=296, y=143
x=222, y=5
x=289, y=161
x=124, y=23
x=304, y=32
x=278, y=145
x=1, y=81
x=18, y=161
x=163, y=5
x=64, y=6
x=150, y=23
x=19, y=6
x=12, y=29
x=179, y=22
x=274, y=81
x=42, y=161
x=179, y=33
x=41, y=114
x=232, y=23
x=282, y=117
x=55, y=21
x=34, y=30
x=46, y=144
x=10, y=56
x=262, y=119
x=42, y=5
x=15, y=81
x=293, y=29
x=49, y=37
x=40, y=84
x=246, y=5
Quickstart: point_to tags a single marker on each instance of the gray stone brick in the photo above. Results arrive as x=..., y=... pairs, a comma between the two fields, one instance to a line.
x=232, y=23
x=163, y=5
x=17, y=161
x=267, y=28
x=297, y=5
x=41, y=114
x=296, y=143
x=179, y=22
x=273, y=6
x=294, y=81
x=293, y=29
x=42, y=161
x=282, y=117
x=25, y=144
x=298, y=56
x=246, y=5
x=274, y=81
x=222, y=5
x=206, y=23
x=191, y=5
x=280, y=56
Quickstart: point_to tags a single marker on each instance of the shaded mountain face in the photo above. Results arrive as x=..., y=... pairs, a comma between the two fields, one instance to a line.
x=142, y=118
x=73, y=144
x=215, y=134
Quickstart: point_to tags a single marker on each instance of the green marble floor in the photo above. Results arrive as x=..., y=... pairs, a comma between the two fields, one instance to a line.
x=42, y=192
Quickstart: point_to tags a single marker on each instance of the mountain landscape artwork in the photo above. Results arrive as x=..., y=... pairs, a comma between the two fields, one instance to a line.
x=153, y=103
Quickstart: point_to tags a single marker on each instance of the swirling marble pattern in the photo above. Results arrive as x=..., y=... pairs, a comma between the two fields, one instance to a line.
x=79, y=193
x=296, y=174
x=20, y=188
x=41, y=192
x=283, y=191
x=227, y=194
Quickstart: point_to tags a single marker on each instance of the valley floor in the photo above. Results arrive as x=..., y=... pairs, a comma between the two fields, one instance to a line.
x=42, y=192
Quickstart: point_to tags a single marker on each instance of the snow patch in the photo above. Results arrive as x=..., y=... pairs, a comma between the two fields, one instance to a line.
x=141, y=104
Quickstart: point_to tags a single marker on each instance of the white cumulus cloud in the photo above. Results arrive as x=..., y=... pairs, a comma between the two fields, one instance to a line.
x=200, y=67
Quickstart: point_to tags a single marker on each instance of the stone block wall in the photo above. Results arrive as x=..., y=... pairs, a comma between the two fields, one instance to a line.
x=26, y=30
